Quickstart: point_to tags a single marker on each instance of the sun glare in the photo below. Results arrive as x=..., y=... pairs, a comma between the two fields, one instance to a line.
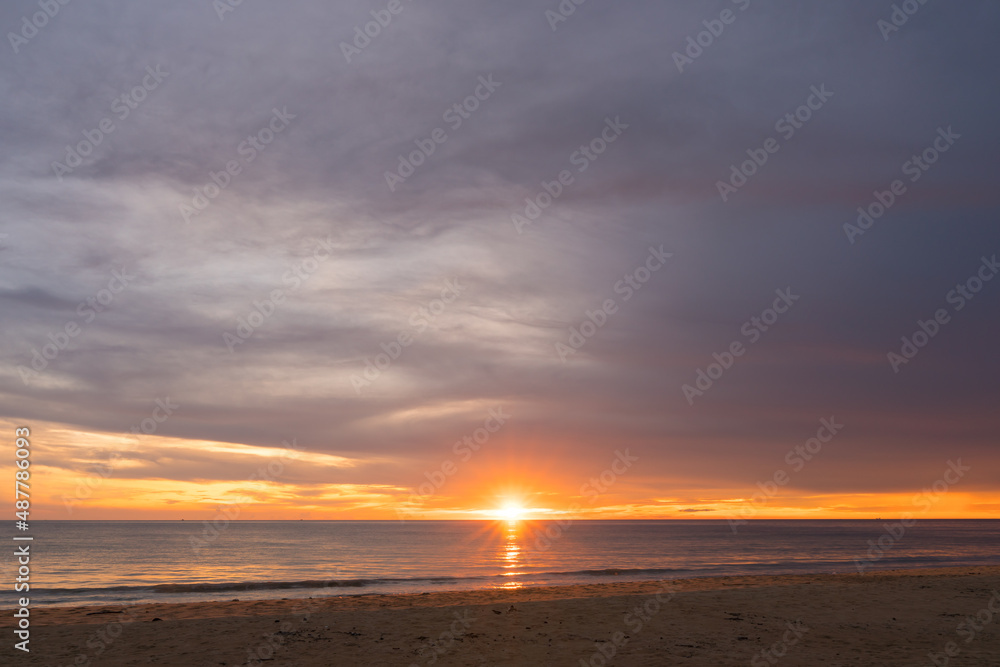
x=511, y=511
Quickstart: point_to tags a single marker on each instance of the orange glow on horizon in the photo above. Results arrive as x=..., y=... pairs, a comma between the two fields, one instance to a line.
x=71, y=480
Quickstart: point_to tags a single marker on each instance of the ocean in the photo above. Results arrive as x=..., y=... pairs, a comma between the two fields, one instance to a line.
x=101, y=562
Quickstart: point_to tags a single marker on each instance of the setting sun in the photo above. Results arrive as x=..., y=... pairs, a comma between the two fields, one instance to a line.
x=512, y=511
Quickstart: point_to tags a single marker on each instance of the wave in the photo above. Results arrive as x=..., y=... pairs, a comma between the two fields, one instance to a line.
x=209, y=587
x=204, y=587
x=614, y=571
x=539, y=578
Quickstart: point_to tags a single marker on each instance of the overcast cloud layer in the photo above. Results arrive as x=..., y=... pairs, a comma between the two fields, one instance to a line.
x=319, y=190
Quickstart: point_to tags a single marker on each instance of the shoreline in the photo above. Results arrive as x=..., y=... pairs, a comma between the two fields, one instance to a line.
x=340, y=592
x=891, y=617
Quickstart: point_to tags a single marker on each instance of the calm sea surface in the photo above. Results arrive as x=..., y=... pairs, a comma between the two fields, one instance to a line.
x=95, y=562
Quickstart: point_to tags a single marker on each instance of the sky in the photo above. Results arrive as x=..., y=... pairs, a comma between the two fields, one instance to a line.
x=605, y=263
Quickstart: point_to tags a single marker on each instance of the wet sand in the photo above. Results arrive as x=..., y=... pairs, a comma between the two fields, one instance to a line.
x=889, y=618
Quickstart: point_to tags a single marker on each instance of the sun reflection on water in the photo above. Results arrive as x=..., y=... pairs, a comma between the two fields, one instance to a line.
x=512, y=553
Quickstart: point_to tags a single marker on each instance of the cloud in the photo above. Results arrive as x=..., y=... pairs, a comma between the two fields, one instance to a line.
x=322, y=179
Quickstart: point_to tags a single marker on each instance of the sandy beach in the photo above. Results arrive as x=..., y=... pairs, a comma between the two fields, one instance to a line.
x=890, y=618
